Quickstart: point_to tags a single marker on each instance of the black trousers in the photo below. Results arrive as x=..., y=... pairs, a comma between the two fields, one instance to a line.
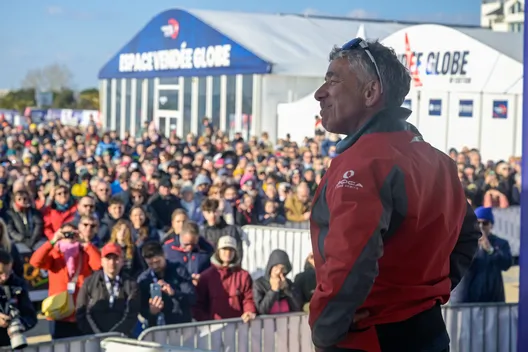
x=64, y=329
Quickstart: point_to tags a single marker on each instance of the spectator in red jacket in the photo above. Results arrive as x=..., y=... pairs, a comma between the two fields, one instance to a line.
x=61, y=211
x=61, y=257
x=225, y=290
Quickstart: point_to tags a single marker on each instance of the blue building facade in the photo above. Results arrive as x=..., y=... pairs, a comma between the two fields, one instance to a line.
x=176, y=71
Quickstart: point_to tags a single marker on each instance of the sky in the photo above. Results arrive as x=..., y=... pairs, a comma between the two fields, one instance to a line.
x=83, y=35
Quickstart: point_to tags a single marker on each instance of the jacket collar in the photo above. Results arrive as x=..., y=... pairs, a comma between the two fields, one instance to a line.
x=387, y=120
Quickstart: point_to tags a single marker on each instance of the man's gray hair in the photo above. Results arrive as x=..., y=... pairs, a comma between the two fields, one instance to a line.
x=395, y=77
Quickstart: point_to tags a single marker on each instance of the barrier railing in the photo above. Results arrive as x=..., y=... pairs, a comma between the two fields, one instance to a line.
x=88, y=343
x=116, y=344
x=262, y=240
x=472, y=328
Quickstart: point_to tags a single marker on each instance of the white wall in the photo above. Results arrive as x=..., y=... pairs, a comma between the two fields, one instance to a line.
x=278, y=89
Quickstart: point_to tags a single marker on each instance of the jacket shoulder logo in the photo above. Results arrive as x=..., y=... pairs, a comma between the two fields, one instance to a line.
x=348, y=174
x=346, y=181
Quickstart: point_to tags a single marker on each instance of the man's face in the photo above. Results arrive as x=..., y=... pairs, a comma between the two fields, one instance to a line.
x=209, y=216
x=86, y=206
x=188, y=241
x=112, y=264
x=116, y=210
x=5, y=272
x=156, y=264
x=342, y=99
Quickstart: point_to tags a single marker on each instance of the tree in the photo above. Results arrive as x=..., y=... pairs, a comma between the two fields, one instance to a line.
x=53, y=77
x=64, y=99
x=88, y=99
x=18, y=99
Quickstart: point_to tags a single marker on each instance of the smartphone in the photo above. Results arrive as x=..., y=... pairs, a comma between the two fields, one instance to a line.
x=155, y=290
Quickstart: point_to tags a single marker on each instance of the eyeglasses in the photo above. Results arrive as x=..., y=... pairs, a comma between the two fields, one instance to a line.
x=484, y=223
x=89, y=225
x=360, y=43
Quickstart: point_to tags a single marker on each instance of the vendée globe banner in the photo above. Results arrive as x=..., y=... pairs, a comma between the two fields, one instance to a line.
x=176, y=43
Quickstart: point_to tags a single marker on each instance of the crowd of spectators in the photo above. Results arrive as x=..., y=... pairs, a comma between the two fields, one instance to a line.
x=108, y=217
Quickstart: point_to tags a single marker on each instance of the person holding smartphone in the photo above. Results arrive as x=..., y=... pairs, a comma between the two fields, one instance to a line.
x=69, y=260
x=166, y=289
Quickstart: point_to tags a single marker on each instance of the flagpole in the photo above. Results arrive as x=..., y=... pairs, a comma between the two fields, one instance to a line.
x=522, y=331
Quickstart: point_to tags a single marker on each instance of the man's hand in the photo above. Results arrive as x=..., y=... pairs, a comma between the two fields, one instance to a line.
x=57, y=236
x=195, y=279
x=485, y=243
x=4, y=320
x=155, y=305
x=248, y=316
x=360, y=315
x=165, y=287
x=275, y=283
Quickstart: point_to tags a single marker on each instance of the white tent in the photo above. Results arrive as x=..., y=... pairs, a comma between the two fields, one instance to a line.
x=463, y=92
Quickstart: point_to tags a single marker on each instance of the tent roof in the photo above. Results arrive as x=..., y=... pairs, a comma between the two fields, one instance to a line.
x=287, y=40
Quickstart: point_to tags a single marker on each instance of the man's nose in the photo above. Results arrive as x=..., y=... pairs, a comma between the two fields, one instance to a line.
x=320, y=93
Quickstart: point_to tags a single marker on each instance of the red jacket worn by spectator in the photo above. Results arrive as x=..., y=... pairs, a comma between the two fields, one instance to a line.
x=51, y=259
x=54, y=219
x=392, y=233
x=223, y=292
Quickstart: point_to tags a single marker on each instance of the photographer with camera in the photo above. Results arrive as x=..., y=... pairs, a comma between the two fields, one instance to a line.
x=17, y=314
x=70, y=258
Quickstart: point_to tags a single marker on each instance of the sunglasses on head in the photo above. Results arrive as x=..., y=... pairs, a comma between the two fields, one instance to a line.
x=359, y=43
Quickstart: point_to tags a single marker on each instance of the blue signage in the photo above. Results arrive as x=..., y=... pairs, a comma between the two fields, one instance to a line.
x=407, y=103
x=435, y=107
x=176, y=43
x=500, y=109
x=465, y=108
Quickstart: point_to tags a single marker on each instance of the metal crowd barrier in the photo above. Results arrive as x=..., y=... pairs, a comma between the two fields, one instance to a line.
x=508, y=226
x=262, y=240
x=472, y=328
x=116, y=344
x=88, y=343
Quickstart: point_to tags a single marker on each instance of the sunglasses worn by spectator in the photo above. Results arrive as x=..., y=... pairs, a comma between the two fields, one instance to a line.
x=484, y=223
x=359, y=43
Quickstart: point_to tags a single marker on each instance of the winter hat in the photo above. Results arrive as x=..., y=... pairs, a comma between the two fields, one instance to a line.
x=484, y=213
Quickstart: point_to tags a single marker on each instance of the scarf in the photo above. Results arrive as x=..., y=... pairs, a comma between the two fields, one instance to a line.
x=62, y=207
x=71, y=252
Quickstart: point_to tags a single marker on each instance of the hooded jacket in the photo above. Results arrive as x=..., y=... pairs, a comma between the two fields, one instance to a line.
x=223, y=292
x=264, y=297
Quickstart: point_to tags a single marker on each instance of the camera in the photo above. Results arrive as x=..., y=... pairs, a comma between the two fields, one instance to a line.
x=15, y=328
x=69, y=234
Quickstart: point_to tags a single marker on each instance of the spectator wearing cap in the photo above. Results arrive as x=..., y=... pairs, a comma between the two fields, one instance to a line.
x=483, y=282
x=188, y=251
x=115, y=213
x=109, y=299
x=190, y=201
x=24, y=222
x=61, y=211
x=298, y=206
x=225, y=290
x=163, y=204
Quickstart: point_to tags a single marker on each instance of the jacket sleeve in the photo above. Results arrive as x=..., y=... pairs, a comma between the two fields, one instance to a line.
x=264, y=299
x=248, y=304
x=348, y=265
x=42, y=258
x=144, y=297
x=298, y=282
x=502, y=254
x=465, y=248
x=48, y=225
x=186, y=289
x=12, y=231
x=126, y=325
x=294, y=298
x=38, y=228
x=291, y=214
x=94, y=257
x=201, y=310
x=86, y=324
x=27, y=311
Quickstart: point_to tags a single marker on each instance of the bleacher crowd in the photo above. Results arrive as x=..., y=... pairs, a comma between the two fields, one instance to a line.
x=147, y=231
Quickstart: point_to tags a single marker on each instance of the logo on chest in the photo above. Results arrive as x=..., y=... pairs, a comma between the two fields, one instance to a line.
x=346, y=181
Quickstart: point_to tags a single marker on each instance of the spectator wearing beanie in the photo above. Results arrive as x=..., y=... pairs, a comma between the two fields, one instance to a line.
x=483, y=281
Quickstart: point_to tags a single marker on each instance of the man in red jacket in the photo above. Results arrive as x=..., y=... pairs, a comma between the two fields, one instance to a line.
x=391, y=229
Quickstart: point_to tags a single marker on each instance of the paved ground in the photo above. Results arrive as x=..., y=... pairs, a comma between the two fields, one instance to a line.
x=511, y=285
